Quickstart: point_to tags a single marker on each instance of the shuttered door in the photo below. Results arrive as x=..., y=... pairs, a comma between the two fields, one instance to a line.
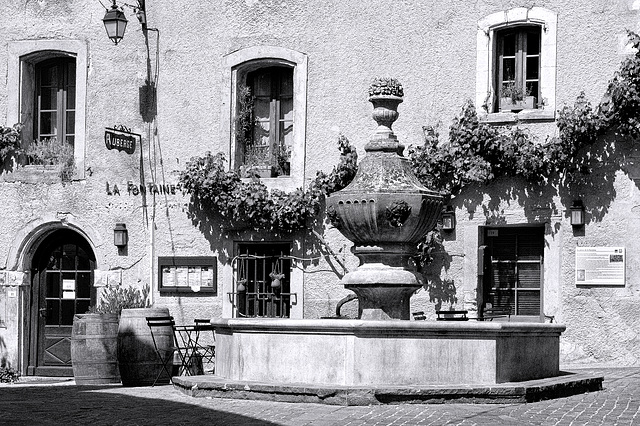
x=516, y=269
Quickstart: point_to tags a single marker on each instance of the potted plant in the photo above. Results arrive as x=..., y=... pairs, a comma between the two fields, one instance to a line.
x=515, y=98
x=94, y=336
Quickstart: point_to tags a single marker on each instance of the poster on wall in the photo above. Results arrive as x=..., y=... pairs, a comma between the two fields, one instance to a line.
x=600, y=266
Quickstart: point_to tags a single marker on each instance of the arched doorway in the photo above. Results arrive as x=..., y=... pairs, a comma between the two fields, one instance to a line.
x=61, y=286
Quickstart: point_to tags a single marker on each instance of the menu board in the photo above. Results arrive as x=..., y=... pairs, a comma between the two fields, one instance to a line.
x=600, y=266
x=187, y=274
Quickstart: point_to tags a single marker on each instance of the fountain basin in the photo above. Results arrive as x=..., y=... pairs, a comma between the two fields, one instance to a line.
x=384, y=353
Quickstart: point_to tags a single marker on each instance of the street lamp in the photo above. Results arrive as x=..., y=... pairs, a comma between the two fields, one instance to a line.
x=120, y=235
x=115, y=23
x=577, y=213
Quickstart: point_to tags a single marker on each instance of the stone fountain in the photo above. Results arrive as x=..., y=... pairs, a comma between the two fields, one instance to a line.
x=384, y=211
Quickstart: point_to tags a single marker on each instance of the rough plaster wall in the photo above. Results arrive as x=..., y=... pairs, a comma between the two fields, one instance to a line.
x=428, y=46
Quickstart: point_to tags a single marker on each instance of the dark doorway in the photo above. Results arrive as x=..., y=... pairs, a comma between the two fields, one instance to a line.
x=513, y=269
x=61, y=286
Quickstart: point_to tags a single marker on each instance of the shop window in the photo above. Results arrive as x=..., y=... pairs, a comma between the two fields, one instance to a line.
x=516, y=65
x=264, y=114
x=512, y=279
x=47, y=94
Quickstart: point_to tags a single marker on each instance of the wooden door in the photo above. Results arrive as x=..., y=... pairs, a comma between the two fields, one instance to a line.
x=62, y=286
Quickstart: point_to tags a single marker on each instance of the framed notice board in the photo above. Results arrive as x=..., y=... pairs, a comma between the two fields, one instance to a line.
x=188, y=274
x=600, y=266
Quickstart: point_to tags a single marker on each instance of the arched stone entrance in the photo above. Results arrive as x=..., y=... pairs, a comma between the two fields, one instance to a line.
x=62, y=269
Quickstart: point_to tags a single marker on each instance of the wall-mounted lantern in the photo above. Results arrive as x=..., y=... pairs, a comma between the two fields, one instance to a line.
x=120, y=235
x=115, y=22
x=448, y=219
x=577, y=213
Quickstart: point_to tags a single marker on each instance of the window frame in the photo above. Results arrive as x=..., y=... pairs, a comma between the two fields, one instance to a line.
x=486, y=82
x=21, y=80
x=62, y=98
x=235, y=66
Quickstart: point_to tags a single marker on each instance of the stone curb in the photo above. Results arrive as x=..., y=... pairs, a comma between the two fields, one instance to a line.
x=520, y=392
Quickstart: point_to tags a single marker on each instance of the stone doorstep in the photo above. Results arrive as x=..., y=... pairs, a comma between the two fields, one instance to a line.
x=520, y=392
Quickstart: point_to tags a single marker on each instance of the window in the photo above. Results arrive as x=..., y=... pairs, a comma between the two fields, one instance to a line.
x=513, y=279
x=263, y=280
x=55, y=106
x=518, y=68
x=46, y=83
x=516, y=65
x=264, y=113
x=265, y=141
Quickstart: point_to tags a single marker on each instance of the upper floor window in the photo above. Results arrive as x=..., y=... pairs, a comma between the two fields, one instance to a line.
x=518, y=68
x=55, y=107
x=516, y=65
x=47, y=81
x=264, y=113
x=266, y=139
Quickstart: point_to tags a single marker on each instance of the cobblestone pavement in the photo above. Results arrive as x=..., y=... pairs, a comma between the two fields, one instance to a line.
x=34, y=403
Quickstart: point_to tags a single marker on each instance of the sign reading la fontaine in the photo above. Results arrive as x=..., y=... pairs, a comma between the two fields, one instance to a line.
x=600, y=266
x=120, y=138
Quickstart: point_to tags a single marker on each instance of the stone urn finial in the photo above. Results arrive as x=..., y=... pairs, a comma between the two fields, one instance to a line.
x=385, y=94
x=385, y=211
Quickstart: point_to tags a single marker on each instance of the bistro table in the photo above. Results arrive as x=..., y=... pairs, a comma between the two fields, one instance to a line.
x=194, y=352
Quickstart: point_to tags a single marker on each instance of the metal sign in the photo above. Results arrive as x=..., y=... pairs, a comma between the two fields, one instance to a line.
x=121, y=138
x=600, y=266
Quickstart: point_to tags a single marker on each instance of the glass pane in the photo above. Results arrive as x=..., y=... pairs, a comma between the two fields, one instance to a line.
x=286, y=136
x=262, y=83
x=53, y=284
x=262, y=108
x=261, y=133
x=70, y=140
x=71, y=97
x=533, y=43
x=83, y=285
x=48, y=98
x=49, y=76
x=71, y=122
x=528, y=275
x=286, y=84
x=84, y=263
x=69, y=257
x=502, y=298
x=48, y=123
x=509, y=45
x=54, y=260
x=286, y=109
x=504, y=247
x=528, y=303
x=504, y=275
x=82, y=306
x=68, y=310
x=53, y=312
x=509, y=69
x=532, y=68
x=71, y=73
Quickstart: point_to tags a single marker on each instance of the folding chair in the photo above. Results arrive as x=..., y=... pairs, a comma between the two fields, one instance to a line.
x=164, y=343
x=206, y=350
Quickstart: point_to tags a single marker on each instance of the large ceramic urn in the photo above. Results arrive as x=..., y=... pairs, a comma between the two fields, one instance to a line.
x=384, y=211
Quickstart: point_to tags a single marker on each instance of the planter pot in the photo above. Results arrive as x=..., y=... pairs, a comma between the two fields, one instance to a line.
x=137, y=359
x=94, y=349
x=507, y=104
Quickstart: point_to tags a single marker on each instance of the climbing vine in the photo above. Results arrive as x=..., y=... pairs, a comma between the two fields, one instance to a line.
x=250, y=204
x=477, y=152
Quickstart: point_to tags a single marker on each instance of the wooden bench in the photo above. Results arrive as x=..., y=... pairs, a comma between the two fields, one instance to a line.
x=460, y=315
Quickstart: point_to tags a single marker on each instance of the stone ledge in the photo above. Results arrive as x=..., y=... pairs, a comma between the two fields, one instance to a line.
x=515, y=392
